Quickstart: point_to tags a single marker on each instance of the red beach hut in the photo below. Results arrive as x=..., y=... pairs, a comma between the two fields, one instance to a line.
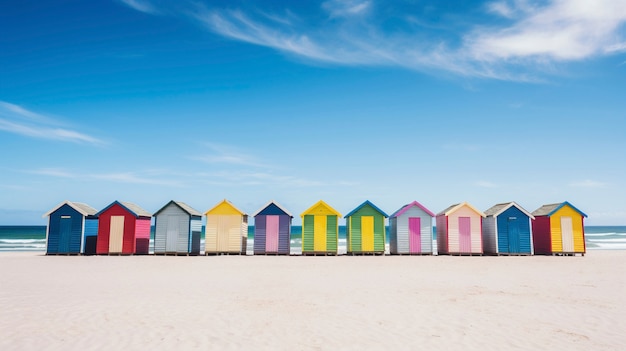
x=123, y=228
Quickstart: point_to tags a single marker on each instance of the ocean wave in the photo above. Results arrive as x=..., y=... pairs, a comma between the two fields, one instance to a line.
x=603, y=246
x=613, y=240
x=605, y=234
x=22, y=241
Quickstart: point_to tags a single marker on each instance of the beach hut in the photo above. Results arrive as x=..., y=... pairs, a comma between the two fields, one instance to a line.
x=226, y=229
x=72, y=229
x=177, y=229
x=320, y=229
x=272, y=230
x=411, y=230
x=558, y=229
x=123, y=228
x=459, y=230
x=506, y=230
x=365, y=229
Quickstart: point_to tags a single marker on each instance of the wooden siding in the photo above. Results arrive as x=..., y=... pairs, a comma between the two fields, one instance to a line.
x=196, y=234
x=442, y=234
x=282, y=228
x=260, y=234
x=224, y=233
x=308, y=233
x=366, y=230
x=401, y=231
x=142, y=236
x=65, y=231
x=393, y=237
x=577, y=230
x=172, y=230
x=453, y=231
x=542, y=239
x=91, y=236
x=284, y=235
x=490, y=235
x=513, y=218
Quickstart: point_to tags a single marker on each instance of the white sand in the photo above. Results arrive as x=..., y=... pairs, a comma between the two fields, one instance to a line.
x=328, y=303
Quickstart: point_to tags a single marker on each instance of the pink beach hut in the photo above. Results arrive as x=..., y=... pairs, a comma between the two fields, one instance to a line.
x=459, y=230
x=411, y=230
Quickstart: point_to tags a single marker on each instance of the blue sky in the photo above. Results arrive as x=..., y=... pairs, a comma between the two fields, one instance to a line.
x=345, y=101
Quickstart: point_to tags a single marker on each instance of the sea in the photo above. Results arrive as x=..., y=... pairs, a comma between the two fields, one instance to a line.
x=33, y=238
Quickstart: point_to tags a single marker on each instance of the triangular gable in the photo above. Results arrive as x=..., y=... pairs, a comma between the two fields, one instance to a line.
x=274, y=203
x=132, y=208
x=81, y=208
x=496, y=210
x=367, y=203
x=448, y=211
x=183, y=206
x=322, y=206
x=405, y=208
x=224, y=207
x=550, y=209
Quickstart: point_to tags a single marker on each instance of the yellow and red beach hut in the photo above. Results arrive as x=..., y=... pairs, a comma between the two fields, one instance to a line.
x=558, y=229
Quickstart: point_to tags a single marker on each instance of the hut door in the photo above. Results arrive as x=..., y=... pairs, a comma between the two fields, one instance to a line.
x=415, y=235
x=271, y=233
x=567, y=233
x=367, y=233
x=465, y=234
x=171, y=236
x=513, y=229
x=65, y=231
x=319, y=233
x=116, y=234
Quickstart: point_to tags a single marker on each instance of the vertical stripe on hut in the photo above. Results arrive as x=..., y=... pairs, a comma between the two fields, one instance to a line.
x=365, y=229
x=411, y=230
x=320, y=229
x=70, y=226
x=272, y=230
x=123, y=228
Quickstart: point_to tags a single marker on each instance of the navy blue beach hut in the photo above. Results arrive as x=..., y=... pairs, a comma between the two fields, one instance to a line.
x=72, y=229
x=272, y=230
x=177, y=229
x=507, y=230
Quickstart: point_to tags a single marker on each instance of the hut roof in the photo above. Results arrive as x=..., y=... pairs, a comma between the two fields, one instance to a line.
x=136, y=210
x=82, y=208
x=321, y=204
x=190, y=210
x=550, y=209
x=275, y=204
x=499, y=208
x=406, y=207
x=366, y=203
x=227, y=203
x=455, y=207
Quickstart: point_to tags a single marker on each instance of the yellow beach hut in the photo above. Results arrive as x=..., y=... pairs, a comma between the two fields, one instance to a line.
x=559, y=229
x=226, y=229
x=320, y=230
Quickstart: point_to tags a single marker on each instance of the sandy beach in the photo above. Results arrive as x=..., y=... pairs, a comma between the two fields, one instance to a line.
x=310, y=303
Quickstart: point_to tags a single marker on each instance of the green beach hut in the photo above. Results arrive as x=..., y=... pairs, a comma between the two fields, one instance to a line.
x=365, y=230
x=320, y=230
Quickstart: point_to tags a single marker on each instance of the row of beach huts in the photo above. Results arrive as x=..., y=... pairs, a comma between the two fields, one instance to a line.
x=123, y=228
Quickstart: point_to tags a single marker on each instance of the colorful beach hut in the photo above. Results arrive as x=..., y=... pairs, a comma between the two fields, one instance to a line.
x=411, y=230
x=226, y=229
x=320, y=229
x=459, y=230
x=123, y=228
x=177, y=229
x=558, y=229
x=365, y=229
x=72, y=229
x=272, y=230
x=506, y=230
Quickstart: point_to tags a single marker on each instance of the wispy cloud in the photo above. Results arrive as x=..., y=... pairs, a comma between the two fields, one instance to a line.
x=149, y=177
x=587, y=183
x=227, y=154
x=141, y=6
x=533, y=36
x=18, y=120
